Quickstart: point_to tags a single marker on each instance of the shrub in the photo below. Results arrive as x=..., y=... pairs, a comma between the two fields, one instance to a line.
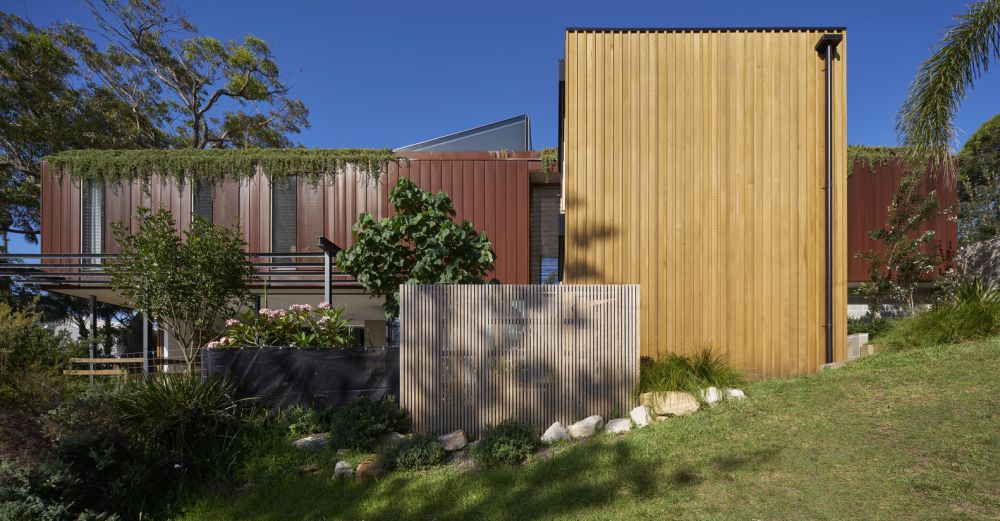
x=673, y=372
x=973, y=312
x=508, y=443
x=301, y=325
x=421, y=451
x=874, y=327
x=358, y=424
x=188, y=422
x=300, y=421
x=43, y=493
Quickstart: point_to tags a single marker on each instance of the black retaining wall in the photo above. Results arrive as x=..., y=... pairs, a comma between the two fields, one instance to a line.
x=319, y=378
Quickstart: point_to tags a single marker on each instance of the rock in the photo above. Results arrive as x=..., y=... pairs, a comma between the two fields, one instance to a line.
x=312, y=442
x=555, y=432
x=641, y=416
x=369, y=470
x=453, y=440
x=662, y=418
x=309, y=468
x=343, y=470
x=711, y=396
x=388, y=440
x=586, y=427
x=735, y=394
x=672, y=403
x=619, y=426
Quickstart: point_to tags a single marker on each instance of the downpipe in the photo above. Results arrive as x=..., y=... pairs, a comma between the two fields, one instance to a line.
x=826, y=47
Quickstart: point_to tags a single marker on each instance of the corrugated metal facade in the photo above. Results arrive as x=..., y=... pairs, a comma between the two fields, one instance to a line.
x=490, y=191
x=694, y=166
x=869, y=194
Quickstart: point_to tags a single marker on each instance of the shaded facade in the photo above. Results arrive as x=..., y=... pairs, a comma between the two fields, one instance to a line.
x=694, y=166
x=869, y=194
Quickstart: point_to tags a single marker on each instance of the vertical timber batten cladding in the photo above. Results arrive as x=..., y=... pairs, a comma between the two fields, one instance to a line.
x=490, y=189
x=475, y=355
x=869, y=194
x=694, y=166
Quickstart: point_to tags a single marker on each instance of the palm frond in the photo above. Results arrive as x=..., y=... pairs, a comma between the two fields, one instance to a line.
x=925, y=123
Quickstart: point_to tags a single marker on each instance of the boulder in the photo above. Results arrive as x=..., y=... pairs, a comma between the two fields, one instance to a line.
x=555, y=432
x=388, y=440
x=711, y=396
x=586, y=427
x=343, y=470
x=312, y=442
x=453, y=440
x=369, y=470
x=641, y=416
x=660, y=418
x=670, y=403
x=735, y=394
x=619, y=426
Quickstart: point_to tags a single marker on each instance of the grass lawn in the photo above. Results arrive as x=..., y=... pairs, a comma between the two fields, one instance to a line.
x=907, y=435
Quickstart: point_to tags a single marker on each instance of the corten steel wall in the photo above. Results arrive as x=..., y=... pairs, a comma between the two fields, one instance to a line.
x=694, y=166
x=474, y=355
x=492, y=192
x=869, y=194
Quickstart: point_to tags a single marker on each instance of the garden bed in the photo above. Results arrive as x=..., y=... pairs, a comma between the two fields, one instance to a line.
x=315, y=377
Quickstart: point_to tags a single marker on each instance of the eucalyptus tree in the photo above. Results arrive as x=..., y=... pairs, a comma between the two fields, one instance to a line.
x=217, y=94
x=49, y=102
x=925, y=122
x=979, y=184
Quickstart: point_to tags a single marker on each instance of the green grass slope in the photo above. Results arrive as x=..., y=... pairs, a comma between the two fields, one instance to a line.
x=907, y=435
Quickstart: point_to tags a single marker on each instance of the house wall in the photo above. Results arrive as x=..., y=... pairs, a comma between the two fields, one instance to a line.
x=869, y=194
x=490, y=191
x=694, y=166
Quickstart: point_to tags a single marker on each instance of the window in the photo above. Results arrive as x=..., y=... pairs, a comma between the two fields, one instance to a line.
x=545, y=238
x=283, y=214
x=92, y=219
x=204, y=196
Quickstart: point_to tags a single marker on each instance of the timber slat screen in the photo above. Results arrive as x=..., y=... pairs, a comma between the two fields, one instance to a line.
x=474, y=355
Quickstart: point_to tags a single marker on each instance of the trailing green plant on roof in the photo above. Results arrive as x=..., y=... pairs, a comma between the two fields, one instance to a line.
x=122, y=166
x=550, y=159
x=870, y=158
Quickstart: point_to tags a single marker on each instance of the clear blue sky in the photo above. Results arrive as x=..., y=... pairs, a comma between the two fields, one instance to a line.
x=387, y=74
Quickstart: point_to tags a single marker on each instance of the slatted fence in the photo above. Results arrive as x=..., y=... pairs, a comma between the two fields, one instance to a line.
x=473, y=355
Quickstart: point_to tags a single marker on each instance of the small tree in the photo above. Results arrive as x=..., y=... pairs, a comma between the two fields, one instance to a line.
x=187, y=281
x=896, y=266
x=979, y=184
x=420, y=244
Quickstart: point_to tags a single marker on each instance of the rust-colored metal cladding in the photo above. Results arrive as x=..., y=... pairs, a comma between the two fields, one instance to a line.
x=869, y=194
x=490, y=189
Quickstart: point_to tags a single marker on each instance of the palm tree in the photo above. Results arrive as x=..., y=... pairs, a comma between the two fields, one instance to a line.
x=925, y=121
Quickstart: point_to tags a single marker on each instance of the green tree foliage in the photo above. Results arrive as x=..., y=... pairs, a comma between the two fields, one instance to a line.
x=50, y=101
x=979, y=184
x=925, y=122
x=217, y=94
x=187, y=281
x=896, y=265
x=420, y=244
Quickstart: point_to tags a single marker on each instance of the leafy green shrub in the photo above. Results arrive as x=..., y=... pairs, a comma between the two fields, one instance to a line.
x=973, y=312
x=508, y=443
x=300, y=325
x=418, y=452
x=191, y=423
x=359, y=423
x=673, y=372
x=43, y=493
x=301, y=421
x=874, y=327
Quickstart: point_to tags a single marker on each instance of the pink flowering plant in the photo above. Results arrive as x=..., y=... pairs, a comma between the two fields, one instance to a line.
x=300, y=325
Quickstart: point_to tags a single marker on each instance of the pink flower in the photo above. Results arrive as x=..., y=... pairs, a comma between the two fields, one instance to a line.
x=324, y=305
x=232, y=322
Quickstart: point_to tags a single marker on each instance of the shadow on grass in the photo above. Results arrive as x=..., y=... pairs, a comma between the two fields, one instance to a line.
x=581, y=478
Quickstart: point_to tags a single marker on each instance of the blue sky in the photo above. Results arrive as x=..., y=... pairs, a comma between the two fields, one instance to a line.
x=387, y=74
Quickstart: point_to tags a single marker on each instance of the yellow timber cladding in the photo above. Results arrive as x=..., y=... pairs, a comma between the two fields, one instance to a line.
x=694, y=165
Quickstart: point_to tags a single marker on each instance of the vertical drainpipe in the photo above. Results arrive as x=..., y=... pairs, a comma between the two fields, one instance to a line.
x=826, y=47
